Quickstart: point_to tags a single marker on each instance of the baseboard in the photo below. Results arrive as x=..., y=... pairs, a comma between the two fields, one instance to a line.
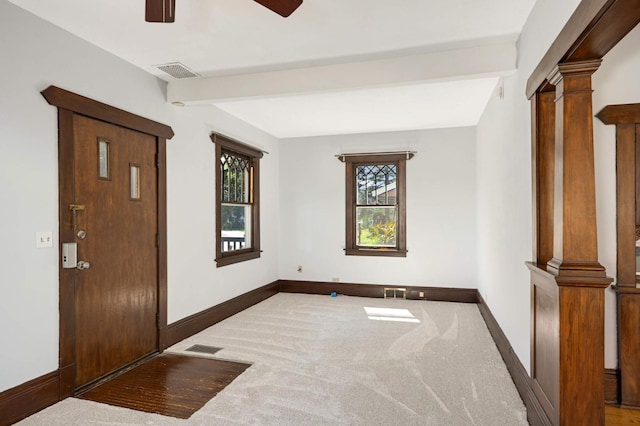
x=29, y=398
x=535, y=413
x=611, y=387
x=195, y=323
x=463, y=295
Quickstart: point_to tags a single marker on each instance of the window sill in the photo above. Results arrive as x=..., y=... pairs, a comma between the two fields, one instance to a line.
x=375, y=252
x=237, y=258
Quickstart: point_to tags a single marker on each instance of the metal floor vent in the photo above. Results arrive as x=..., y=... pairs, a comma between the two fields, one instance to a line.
x=395, y=293
x=203, y=349
x=177, y=70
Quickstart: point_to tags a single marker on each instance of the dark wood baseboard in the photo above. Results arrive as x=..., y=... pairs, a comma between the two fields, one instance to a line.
x=463, y=295
x=195, y=323
x=29, y=398
x=535, y=413
x=611, y=386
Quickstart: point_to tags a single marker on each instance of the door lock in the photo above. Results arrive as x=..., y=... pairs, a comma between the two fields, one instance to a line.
x=82, y=265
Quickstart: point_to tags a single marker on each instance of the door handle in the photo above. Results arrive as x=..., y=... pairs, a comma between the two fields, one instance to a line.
x=82, y=265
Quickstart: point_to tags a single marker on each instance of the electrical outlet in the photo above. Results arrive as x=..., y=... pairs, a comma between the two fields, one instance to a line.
x=44, y=239
x=421, y=294
x=335, y=280
x=299, y=268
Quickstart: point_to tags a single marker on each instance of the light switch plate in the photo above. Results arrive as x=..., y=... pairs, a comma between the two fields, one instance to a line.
x=44, y=239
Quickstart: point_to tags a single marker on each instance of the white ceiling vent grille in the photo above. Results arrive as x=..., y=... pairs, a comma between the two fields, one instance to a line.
x=177, y=70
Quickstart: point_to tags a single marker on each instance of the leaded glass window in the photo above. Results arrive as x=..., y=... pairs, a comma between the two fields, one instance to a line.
x=375, y=204
x=236, y=211
x=376, y=209
x=237, y=220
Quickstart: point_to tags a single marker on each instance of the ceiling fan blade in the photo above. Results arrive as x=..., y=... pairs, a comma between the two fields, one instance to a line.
x=160, y=11
x=281, y=7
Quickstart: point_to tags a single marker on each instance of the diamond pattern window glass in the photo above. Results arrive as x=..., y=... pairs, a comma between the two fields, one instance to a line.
x=375, y=204
x=376, y=209
x=237, y=207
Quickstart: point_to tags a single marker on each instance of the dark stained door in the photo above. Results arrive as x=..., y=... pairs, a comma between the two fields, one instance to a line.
x=115, y=222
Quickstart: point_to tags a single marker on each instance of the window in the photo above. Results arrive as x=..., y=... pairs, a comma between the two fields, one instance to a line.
x=375, y=204
x=237, y=201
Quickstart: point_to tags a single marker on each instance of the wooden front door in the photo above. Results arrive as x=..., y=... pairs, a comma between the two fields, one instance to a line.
x=114, y=216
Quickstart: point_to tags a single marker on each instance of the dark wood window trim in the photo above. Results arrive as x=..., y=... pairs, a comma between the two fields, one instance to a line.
x=351, y=162
x=225, y=144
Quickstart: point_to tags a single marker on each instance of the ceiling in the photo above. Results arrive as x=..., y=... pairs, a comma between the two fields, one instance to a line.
x=332, y=67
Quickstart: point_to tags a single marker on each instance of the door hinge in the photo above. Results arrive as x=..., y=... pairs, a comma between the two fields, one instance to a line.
x=157, y=240
x=158, y=319
x=157, y=160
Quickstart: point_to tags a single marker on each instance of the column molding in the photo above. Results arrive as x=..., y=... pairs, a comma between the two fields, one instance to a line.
x=575, y=246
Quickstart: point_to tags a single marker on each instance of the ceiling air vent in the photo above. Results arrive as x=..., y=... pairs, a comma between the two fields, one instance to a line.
x=177, y=70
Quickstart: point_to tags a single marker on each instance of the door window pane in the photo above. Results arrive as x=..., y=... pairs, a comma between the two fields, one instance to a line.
x=135, y=182
x=103, y=159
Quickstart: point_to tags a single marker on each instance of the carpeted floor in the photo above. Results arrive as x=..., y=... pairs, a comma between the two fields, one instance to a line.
x=318, y=360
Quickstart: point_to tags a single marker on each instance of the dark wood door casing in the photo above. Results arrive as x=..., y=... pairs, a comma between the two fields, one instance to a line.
x=70, y=104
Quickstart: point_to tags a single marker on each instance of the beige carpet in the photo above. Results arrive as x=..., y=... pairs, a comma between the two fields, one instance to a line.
x=319, y=360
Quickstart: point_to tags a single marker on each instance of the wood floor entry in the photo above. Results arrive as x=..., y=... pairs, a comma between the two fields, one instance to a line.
x=170, y=385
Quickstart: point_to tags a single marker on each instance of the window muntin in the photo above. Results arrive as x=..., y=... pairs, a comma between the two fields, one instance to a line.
x=237, y=206
x=375, y=204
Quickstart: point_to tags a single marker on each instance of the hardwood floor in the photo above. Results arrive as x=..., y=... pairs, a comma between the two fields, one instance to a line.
x=615, y=416
x=171, y=385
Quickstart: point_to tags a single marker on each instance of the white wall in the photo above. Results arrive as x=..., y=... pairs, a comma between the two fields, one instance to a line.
x=195, y=283
x=504, y=183
x=35, y=55
x=504, y=176
x=441, y=210
x=504, y=216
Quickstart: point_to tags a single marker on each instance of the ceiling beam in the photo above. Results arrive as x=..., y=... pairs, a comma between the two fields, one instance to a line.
x=493, y=60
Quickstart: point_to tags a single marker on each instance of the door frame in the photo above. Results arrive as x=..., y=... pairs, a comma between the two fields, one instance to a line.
x=68, y=104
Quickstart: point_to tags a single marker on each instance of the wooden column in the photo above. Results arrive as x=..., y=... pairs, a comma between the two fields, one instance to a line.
x=627, y=121
x=543, y=162
x=575, y=246
x=567, y=301
x=579, y=277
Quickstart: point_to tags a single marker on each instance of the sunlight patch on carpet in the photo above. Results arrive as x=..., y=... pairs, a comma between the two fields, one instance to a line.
x=390, y=314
